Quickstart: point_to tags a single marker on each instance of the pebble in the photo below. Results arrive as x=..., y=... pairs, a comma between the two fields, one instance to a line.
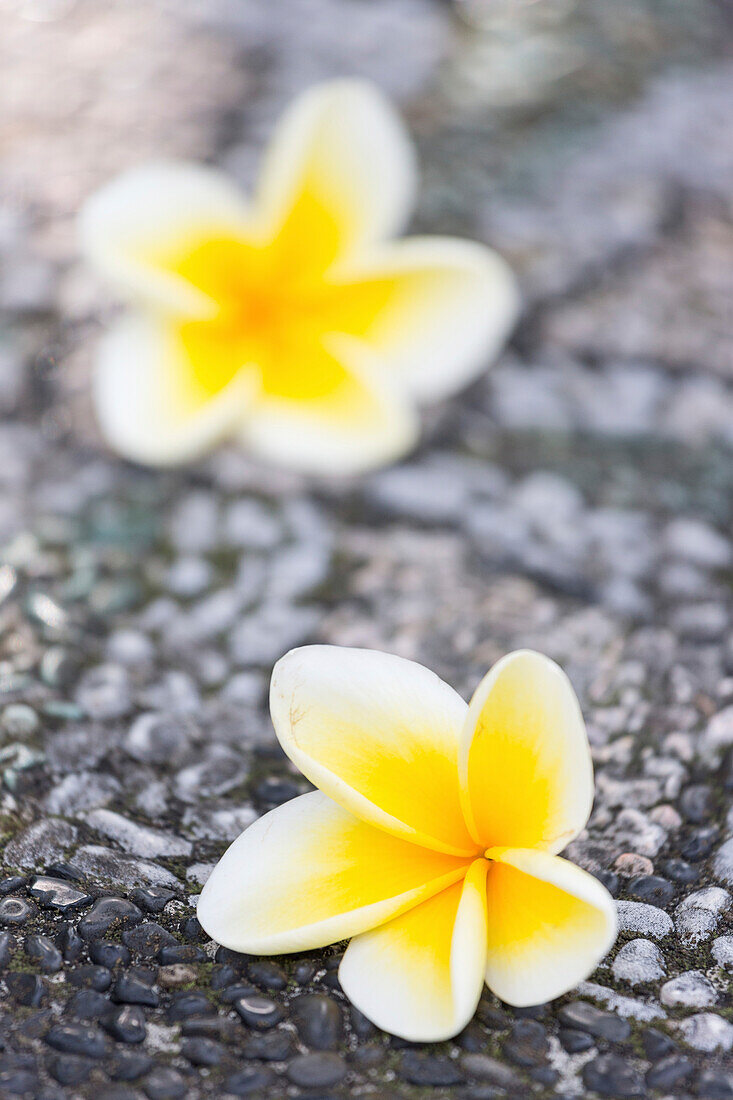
x=652, y=889
x=16, y=911
x=586, y=1017
x=40, y=843
x=26, y=989
x=126, y=1024
x=421, y=1068
x=647, y=920
x=106, y=914
x=78, y=1038
x=690, y=990
x=140, y=840
x=611, y=1075
x=319, y=1070
x=706, y=1031
x=58, y=894
x=670, y=1072
x=135, y=989
x=109, y=955
x=257, y=1080
x=19, y=721
x=723, y=862
x=259, y=1012
x=723, y=951
x=318, y=1021
x=638, y=962
x=157, y=739
x=482, y=1067
x=147, y=939
x=44, y=950
x=164, y=1083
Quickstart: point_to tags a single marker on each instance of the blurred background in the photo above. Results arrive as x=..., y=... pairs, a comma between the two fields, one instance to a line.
x=576, y=499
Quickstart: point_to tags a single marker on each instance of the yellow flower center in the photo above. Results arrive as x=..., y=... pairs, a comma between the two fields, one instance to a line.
x=275, y=304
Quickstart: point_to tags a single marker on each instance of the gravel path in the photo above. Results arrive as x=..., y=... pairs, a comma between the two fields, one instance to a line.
x=578, y=500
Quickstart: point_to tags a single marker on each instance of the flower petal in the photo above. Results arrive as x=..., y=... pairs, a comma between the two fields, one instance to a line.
x=525, y=764
x=138, y=227
x=308, y=873
x=339, y=172
x=357, y=421
x=549, y=925
x=148, y=403
x=379, y=735
x=436, y=309
x=420, y=976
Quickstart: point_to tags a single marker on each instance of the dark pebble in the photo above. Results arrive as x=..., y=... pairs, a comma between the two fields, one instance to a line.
x=135, y=989
x=699, y=845
x=210, y=1027
x=681, y=871
x=164, y=1083
x=696, y=803
x=93, y=977
x=586, y=1017
x=6, y=948
x=116, y=1092
x=304, y=972
x=152, y=899
x=544, y=1075
x=222, y=976
x=181, y=953
x=429, y=1069
x=12, y=884
x=267, y=974
x=669, y=1072
x=77, y=1038
x=246, y=1081
x=367, y=1057
x=495, y=1018
x=46, y=953
x=527, y=1045
x=16, y=911
x=108, y=913
x=70, y=943
x=192, y=931
x=609, y=879
x=185, y=1004
x=63, y=870
x=35, y=1025
x=19, y=1082
x=652, y=889
x=273, y=1046
x=331, y=981
x=128, y=1065
x=319, y=1070
x=656, y=1044
x=573, y=1041
x=715, y=1084
x=26, y=989
x=202, y=1052
x=147, y=939
x=610, y=1075
x=362, y=1027
x=491, y=1071
x=318, y=1021
x=233, y=992
x=87, y=1004
x=68, y=1069
x=274, y=791
x=127, y=1024
x=472, y=1038
x=54, y=893
x=109, y=954
x=232, y=958
x=259, y=1012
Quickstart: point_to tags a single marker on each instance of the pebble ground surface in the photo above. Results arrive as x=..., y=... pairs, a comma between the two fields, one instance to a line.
x=578, y=500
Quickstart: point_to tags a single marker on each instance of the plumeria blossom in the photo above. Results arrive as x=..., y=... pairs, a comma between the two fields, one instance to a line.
x=432, y=839
x=289, y=321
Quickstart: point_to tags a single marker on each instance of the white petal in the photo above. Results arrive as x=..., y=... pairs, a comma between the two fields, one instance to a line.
x=138, y=225
x=379, y=735
x=449, y=306
x=420, y=976
x=344, y=145
x=309, y=873
x=365, y=422
x=549, y=925
x=525, y=763
x=146, y=410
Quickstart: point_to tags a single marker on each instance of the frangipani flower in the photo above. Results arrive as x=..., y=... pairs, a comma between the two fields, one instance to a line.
x=431, y=840
x=291, y=321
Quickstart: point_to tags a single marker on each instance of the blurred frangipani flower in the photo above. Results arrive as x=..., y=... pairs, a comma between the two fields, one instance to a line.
x=432, y=839
x=290, y=322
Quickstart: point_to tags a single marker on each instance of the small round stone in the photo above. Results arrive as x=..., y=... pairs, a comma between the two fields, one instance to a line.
x=127, y=1024
x=202, y=1052
x=108, y=913
x=320, y=1070
x=318, y=1021
x=639, y=961
x=109, y=955
x=670, y=1072
x=78, y=1038
x=94, y=977
x=586, y=1017
x=164, y=1083
x=610, y=1075
x=45, y=952
x=419, y=1068
x=16, y=911
x=19, y=721
x=259, y=1012
x=257, y=1079
x=267, y=974
x=652, y=889
x=146, y=939
x=690, y=990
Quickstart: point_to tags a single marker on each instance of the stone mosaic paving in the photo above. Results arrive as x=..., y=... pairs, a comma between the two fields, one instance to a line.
x=578, y=500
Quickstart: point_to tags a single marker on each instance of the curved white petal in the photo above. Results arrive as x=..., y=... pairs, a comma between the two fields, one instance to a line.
x=549, y=925
x=525, y=763
x=377, y=733
x=343, y=147
x=364, y=422
x=445, y=308
x=308, y=873
x=148, y=408
x=137, y=227
x=420, y=976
